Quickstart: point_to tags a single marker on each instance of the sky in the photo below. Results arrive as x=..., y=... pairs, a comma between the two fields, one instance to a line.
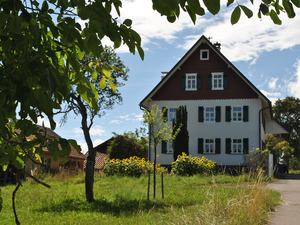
x=267, y=54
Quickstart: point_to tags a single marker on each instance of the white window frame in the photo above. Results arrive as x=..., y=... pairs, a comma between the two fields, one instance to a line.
x=215, y=76
x=193, y=77
x=201, y=54
x=235, y=146
x=237, y=116
x=210, y=113
x=169, y=146
x=211, y=146
x=171, y=114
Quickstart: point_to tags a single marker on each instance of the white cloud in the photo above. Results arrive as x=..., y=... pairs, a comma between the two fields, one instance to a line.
x=132, y=117
x=84, y=146
x=46, y=122
x=272, y=83
x=115, y=122
x=94, y=131
x=271, y=94
x=293, y=86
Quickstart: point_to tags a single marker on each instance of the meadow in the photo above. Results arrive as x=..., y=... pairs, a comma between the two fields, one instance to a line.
x=198, y=199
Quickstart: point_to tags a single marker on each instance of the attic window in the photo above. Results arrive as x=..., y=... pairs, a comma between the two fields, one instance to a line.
x=204, y=54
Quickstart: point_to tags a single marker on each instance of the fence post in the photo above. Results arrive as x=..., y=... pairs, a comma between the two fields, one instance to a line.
x=148, y=186
x=162, y=185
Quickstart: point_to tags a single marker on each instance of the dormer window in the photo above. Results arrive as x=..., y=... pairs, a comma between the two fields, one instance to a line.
x=204, y=54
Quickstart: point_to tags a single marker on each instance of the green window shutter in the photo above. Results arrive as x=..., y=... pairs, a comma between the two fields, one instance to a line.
x=182, y=82
x=200, y=114
x=228, y=113
x=218, y=145
x=228, y=145
x=208, y=81
x=199, y=81
x=245, y=145
x=218, y=113
x=165, y=113
x=225, y=80
x=200, y=145
x=245, y=113
x=164, y=147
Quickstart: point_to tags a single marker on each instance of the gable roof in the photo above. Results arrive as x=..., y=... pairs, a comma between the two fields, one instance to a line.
x=203, y=39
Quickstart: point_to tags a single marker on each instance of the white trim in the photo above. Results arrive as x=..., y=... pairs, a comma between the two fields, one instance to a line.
x=242, y=114
x=242, y=144
x=202, y=51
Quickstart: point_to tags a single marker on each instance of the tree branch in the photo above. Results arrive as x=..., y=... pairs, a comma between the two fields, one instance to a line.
x=36, y=180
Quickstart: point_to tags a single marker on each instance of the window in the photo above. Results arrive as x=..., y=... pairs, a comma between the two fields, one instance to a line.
x=209, y=114
x=170, y=148
x=209, y=146
x=204, y=54
x=191, y=82
x=237, y=113
x=172, y=114
x=237, y=146
x=217, y=81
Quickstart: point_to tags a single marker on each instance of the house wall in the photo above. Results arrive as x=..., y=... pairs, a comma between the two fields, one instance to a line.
x=220, y=130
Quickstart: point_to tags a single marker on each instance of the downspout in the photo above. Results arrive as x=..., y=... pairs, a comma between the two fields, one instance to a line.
x=259, y=126
x=149, y=148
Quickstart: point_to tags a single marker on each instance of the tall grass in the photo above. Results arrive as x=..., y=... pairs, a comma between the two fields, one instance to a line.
x=219, y=199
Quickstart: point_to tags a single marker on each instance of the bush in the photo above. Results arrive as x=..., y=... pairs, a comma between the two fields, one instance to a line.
x=188, y=165
x=124, y=146
x=133, y=167
x=294, y=163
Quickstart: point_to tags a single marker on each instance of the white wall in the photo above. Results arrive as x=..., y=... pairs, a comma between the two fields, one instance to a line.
x=221, y=129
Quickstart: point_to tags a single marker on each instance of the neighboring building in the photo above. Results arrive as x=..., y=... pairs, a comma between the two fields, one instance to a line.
x=101, y=153
x=74, y=161
x=227, y=115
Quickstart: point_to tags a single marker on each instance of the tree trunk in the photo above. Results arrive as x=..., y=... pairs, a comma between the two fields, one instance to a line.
x=154, y=171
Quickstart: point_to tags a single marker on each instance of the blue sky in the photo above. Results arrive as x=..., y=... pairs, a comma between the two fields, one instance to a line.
x=267, y=54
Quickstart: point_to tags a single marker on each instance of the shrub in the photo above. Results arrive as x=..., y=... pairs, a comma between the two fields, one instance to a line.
x=294, y=163
x=188, y=165
x=125, y=146
x=133, y=167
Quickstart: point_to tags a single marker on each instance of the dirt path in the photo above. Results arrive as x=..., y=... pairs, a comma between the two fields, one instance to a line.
x=289, y=212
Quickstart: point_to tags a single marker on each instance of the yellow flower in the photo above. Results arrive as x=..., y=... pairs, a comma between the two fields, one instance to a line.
x=178, y=156
x=183, y=154
x=173, y=163
x=104, y=158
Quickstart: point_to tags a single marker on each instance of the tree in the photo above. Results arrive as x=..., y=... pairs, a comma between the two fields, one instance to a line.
x=159, y=131
x=105, y=99
x=280, y=149
x=287, y=112
x=181, y=142
x=127, y=145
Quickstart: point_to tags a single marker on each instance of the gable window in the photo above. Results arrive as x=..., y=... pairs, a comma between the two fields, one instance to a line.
x=237, y=146
x=217, y=81
x=237, y=113
x=191, y=82
x=204, y=54
x=209, y=114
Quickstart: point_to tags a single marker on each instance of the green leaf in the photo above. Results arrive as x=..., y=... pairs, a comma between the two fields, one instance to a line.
x=192, y=14
x=1, y=201
x=213, y=6
x=296, y=3
x=195, y=6
x=247, y=11
x=171, y=4
x=75, y=145
x=171, y=18
x=141, y=52
x=94, y=75
x=264, y=9
x=229, y=2
x=267, y=1
x=235, y=16
x=102, y=83
x=275, y=18
x=112, y=85
x=288, y=8
x=128, y=22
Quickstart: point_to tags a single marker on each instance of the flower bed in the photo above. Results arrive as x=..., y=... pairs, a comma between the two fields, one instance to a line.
x=188, y=165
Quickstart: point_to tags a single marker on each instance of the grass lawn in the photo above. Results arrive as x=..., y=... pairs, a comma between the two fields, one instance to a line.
x=221, y=199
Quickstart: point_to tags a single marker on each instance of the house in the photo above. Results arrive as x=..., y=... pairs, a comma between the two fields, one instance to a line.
x=101, y=153
x=74, y=161
x=227, y=115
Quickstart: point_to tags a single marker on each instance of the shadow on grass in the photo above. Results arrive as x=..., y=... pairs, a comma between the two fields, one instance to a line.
x=115, y=206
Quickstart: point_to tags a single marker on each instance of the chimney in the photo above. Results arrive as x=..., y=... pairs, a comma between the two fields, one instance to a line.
x=218, y=46
x=162, y=77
